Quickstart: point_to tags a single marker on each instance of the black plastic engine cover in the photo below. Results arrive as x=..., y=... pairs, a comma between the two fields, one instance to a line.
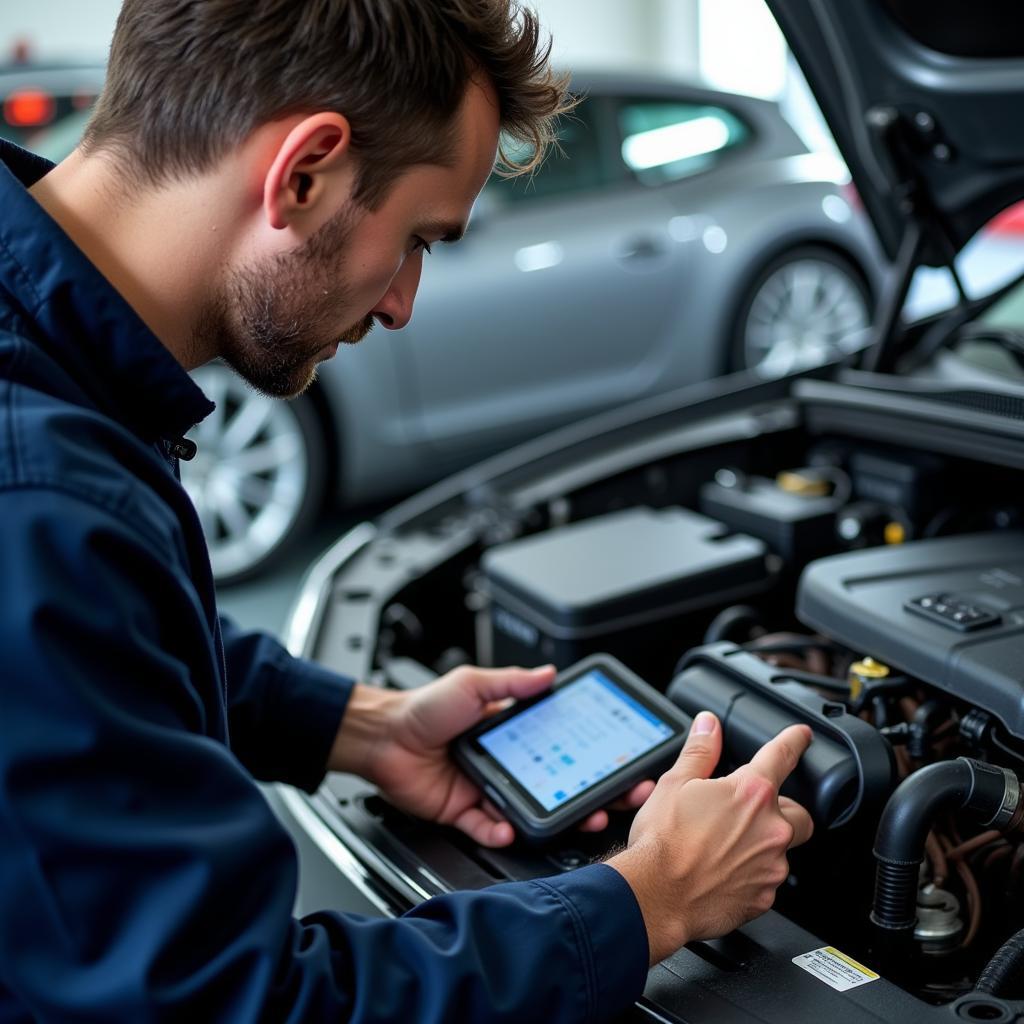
x=948, y=611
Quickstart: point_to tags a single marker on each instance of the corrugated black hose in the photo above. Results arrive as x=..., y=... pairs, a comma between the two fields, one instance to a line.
x=992, y=793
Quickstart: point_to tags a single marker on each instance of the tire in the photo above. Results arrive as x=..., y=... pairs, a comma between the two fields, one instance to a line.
x=806, y=306
x=259, y=476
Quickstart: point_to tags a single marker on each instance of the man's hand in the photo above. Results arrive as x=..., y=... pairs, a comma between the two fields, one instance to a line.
x=399, y=742
x=706, y=855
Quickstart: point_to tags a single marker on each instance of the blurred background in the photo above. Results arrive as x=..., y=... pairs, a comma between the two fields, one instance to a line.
x=728, y=44
x=699, y=222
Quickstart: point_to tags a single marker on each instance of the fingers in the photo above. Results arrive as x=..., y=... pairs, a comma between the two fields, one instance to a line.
x=597, y=822
x=702, y=749
x=496, y=684
x=462, y=697
x=630, y=801
x=798, y=818
x=497, y=705
x=635, y=798
x=778, y=757
x=483, y=829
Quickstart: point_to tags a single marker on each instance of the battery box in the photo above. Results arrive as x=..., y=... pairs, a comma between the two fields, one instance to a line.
x=630, y=583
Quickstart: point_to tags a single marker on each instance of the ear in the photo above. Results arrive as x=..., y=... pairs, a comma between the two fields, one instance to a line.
x=298, y=177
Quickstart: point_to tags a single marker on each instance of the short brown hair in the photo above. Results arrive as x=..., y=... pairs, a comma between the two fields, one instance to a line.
x=189, y=80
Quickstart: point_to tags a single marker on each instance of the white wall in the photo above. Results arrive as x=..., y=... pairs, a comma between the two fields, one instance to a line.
x=646, y=35
x=587, y=33
x=74, y=29
x=741, y=48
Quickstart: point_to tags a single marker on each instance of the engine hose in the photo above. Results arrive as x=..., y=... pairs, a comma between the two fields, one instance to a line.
x=1004, y=973
x=990, y=792
x=722, y=627
x=726, y=622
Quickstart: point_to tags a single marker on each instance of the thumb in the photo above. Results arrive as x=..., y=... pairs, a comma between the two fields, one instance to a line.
x=461, y=698
x=486, y=685
x=702, y=749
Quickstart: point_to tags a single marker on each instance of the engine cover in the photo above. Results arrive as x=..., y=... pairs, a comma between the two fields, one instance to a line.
x=948, y=611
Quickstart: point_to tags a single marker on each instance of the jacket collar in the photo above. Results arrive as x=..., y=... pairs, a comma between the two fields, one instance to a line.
x=81, y=320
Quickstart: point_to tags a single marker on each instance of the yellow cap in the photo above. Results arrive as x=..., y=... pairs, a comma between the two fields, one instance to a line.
x=801, y=483
x=864, y=670
x=895, y=533
x=870, y=669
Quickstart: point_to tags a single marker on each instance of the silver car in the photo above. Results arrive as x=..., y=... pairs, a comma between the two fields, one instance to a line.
x=681, y=232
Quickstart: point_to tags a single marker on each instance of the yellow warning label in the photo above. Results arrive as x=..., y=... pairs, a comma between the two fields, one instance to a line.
x=836, y=969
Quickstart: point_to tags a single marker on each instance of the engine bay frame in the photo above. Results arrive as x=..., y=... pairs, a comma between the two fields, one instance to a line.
x=394, y=602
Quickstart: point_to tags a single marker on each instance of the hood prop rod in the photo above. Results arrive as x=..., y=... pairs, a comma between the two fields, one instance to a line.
x=894, y=297
x=901, y=140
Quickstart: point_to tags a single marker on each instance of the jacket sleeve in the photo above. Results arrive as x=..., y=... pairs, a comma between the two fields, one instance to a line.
x=145, y=877
x=283, y=712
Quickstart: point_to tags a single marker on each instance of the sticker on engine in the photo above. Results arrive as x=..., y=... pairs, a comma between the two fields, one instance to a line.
x=835, y=969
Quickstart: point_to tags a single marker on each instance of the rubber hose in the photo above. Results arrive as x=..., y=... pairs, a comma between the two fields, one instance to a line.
x=1004, y=973
x=907, y=820
x=728, y=620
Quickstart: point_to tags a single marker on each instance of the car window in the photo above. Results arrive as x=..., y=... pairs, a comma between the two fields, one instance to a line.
x=1008, y=311
x=992, y=259
x=994, y=342
x=667, y=140
x=575, y=165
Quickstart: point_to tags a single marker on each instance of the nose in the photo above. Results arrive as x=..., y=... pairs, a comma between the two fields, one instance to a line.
x=394, y=310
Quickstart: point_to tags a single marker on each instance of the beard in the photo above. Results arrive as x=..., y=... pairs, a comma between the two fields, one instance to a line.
x=271, y=322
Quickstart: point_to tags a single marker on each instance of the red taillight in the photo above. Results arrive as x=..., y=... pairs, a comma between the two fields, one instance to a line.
x=29, y=108
x=1009, y=222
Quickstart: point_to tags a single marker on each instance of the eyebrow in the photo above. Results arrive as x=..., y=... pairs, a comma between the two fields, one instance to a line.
x=445, y=231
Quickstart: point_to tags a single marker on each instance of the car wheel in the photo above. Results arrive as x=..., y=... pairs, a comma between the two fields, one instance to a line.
x=807, y=306
x=258, y=477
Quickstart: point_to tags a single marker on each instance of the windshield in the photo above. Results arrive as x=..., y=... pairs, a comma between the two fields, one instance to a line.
x=992, y=259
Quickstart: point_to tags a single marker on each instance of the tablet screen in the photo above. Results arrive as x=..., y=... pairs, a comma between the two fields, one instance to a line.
x=574, y=738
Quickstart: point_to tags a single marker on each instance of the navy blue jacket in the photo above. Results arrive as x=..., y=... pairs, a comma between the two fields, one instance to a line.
x=142, y=874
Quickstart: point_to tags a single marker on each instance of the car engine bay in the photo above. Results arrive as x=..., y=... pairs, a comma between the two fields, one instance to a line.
x=846, y=553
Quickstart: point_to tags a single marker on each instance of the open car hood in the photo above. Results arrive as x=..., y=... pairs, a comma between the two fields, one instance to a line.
x=924, y=98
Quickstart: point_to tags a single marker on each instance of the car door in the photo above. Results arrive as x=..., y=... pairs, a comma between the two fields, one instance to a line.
x=549, y=309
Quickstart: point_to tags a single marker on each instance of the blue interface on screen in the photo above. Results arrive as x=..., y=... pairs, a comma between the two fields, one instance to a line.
x=573, y=739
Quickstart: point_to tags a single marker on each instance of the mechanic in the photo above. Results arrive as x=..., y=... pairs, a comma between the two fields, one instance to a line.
x=260, y=182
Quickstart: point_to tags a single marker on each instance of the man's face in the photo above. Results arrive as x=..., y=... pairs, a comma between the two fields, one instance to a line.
x=276, y=317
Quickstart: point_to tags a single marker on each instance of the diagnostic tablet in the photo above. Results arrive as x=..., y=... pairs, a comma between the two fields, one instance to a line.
x=550, y=761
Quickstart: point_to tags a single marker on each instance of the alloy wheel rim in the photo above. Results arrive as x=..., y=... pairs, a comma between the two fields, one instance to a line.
x=249, y=476
x=805, y=313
